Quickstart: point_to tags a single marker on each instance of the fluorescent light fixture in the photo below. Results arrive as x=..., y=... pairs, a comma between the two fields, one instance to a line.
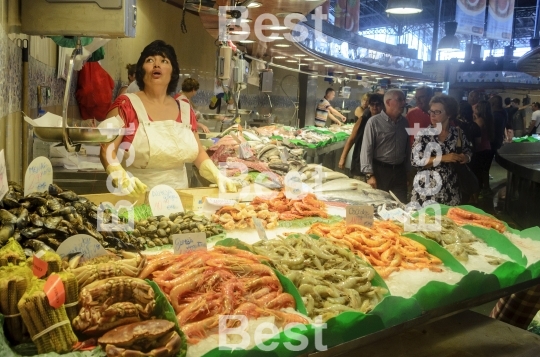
x=303, y=64
x=282, y=45
x=300, y=55
x=318, y=62
x=361, y=73
x=403, y=7
x=310, y=59
x=292, y=61
x=401, y=79
x=240, y=32
x=246, y=41
x=329, y=65
x=276, y=37
x=378, y=78
x=254, y=4
x=246, y=20
x=349, y=70
x=279, y=57
x=277, y=28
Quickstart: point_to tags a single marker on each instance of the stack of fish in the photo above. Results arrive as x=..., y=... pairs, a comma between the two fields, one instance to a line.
x=280, y=158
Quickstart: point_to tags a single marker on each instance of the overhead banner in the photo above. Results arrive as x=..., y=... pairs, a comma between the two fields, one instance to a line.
x=500, y=19
x=470, y=15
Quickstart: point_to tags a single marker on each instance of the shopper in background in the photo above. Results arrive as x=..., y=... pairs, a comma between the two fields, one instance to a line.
x=534, y=126
x=375, y=106
x=499, y=122
x=455, y=151
x=325, y=110
x=362, y=111
x=518, y=309
x=519, y=119
x=190, y=86
x=482, y=157
x=160, y=135
x=131, y=68
x=473, y=98
x=465, y=121
x=419, y=116
x=385, y=147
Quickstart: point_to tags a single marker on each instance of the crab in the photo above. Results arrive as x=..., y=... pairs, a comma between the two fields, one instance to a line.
x=155, y=338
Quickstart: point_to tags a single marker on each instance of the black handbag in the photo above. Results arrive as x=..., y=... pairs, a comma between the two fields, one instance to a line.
x=468, y=183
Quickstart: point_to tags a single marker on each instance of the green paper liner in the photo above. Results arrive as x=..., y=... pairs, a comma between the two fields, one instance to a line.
x=165, y=311
x=437, y=294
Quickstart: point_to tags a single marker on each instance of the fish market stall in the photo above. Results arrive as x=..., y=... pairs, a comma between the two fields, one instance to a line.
x=522, y=162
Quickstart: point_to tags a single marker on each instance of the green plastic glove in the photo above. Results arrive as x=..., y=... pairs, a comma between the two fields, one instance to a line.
x=209, y=171
x=121, y=179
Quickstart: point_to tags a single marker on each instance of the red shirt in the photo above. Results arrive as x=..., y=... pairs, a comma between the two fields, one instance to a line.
x=420, y=117
x=128, y=114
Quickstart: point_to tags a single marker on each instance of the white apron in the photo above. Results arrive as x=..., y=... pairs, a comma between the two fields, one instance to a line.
x=161, y=148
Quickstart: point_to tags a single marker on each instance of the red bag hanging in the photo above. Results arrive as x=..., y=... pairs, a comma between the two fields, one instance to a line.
x=94, y=91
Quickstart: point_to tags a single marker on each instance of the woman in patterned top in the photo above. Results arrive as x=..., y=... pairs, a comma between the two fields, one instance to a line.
x=435, y=153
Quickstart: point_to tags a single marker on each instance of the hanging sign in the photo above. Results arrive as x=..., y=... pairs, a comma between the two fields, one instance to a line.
x=39, y=175
x=164, y=200
x=500, y=20
x=3, y=176
x=470, y=16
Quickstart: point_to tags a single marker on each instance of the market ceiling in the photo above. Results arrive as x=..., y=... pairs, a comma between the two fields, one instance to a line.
x=283, y=52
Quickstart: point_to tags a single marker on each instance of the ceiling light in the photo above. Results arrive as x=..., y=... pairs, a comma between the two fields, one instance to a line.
x=318, y=62
x=329, y=65
x=401, y=79
x=282, y=45
x=361, y=73
x=246, y=20
x=277, y=28
x=310, y=59
x=300, y=55
x=403, y=7
x=303, y=64
x=254, y=4
x=449, y=43
x=292, y=61
x=349, y=70
x=378, y=78
x=246, y=41
x=275, y=37
x=279, y=57
x=240, y=32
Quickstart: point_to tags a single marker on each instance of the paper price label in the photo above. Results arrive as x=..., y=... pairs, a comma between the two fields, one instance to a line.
x=3, y=176
x=39, y=266
x=164, y=200
x=260, y=229
x=245, y=151
x=189, y=242
x=54, y=289
x=39, y=175
x=362, y=215
x=87, y=245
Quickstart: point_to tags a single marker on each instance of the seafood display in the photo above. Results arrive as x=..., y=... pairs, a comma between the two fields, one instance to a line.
x=106, y=304
x=241, y=216
x=463, y=217
x=330, y=279
x=157, y=231
x=49, y=328
x=289, y=209
x=14, y=281
x=145, y=338
x=203, y=285
x=381, y=245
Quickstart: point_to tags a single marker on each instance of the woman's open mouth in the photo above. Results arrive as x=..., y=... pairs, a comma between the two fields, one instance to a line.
x=156, y=73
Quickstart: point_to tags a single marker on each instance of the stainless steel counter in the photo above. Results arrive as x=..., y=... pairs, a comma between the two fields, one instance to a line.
x=522, y=161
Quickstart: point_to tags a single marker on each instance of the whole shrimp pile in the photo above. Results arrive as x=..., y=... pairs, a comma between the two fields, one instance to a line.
x=203, y=285
x=382, y=245
x=288, y=210
x=330, y=279
x=463, y=217
x=241, y=216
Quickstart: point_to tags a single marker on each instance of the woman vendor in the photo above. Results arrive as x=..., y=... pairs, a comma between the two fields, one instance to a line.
x=160, y=131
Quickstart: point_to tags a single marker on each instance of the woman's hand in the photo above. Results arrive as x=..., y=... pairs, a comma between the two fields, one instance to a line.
x=451, y=158
x=341, y=164
x=463, y=159
x=372, y=182
x=203, y=127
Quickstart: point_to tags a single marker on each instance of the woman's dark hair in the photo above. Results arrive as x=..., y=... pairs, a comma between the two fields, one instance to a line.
x=483, y=110
x=496, y=103
x=450, y=105
x=160, y=48
x=465, y=111
x=376, y=98
x=190, y=84
x=131, y=68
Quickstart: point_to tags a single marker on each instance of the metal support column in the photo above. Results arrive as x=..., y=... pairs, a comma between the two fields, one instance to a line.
x=536, y=33
x=436, y=25
x=307, y=99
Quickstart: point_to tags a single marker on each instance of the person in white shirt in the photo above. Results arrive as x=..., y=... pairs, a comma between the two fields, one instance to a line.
x=190, y=86
x=324, y=110
x=534, y=127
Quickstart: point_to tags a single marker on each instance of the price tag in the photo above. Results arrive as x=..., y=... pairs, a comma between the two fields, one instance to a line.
x=396, y=214
x=164, y=200
x=245, y=151
x=260, y=229
x=39, y=175
x=3, y=176
x=213, y=204
x=359, y=215
x=39, y=266
x=54, y=289
x=189, y=242
x=87, y=245
x=284, y=154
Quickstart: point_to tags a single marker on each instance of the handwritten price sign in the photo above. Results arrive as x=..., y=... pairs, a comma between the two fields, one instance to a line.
x=88, y=246
x=164, y=200
x=3, y=176
x=189, y=242
x=359, y=215
x=39, y=175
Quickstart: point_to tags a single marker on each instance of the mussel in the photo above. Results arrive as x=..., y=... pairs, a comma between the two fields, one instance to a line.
x=69, y=196
x=54, y=189
x=32, y=232
x=52, y=222
x=7, y=217
x=53, y=204
x=36, y=220
x=6, y=232
x=22, y=219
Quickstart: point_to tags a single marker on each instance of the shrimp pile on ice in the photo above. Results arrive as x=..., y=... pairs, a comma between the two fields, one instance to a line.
x=203, y=285
x=288, y=210
x=382, y=245
x=462, y=217
x=241, y=216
